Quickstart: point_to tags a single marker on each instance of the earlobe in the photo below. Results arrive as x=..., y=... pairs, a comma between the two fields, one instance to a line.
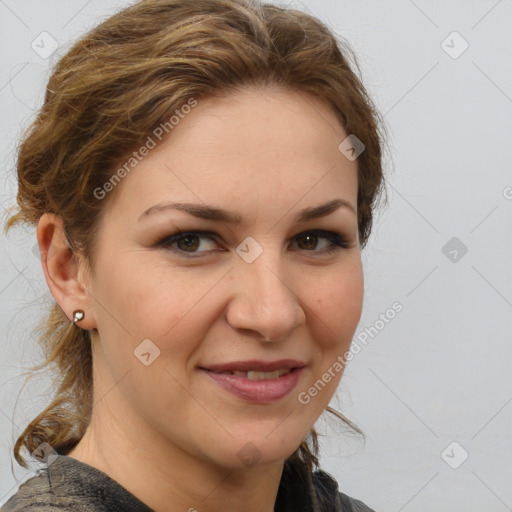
x=61, y=267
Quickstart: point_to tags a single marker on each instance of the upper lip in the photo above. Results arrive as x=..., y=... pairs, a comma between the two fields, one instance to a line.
x=255, y=365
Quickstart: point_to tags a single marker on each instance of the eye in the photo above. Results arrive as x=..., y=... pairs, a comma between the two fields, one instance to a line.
x=310, y=241
x=188, y=243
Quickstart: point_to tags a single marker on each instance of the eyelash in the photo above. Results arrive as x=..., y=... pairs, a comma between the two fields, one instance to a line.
x=338, y=241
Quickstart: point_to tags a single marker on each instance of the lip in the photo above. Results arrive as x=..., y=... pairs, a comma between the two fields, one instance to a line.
x=256, y=365
x=256, y=391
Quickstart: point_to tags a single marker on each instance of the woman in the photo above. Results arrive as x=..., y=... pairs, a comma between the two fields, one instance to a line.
x=203, y=176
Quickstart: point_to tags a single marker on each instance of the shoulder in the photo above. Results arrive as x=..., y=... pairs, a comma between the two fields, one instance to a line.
x=36, y=495
x=326, y=488
x=69, y=485
x=353, y=505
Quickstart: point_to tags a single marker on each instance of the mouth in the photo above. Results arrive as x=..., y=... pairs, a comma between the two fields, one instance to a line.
x=257, y=381
x=256, y=366
x=254, y=375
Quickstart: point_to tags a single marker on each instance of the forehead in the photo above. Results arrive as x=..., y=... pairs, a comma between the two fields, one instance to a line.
x=272, y=145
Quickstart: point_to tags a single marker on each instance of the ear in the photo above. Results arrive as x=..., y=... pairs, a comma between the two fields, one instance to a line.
x=64, y=270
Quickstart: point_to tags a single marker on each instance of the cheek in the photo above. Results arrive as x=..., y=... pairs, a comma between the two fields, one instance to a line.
x=150, y=296
x=173, y=308
x=337, y=303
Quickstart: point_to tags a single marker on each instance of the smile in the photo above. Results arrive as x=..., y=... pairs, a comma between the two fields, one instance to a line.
x=257, y=387
x=253, y=375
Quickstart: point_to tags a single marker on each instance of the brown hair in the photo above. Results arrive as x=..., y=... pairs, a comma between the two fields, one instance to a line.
x=119, y=82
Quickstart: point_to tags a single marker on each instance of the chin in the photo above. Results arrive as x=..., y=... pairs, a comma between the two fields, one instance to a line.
x=258, y=450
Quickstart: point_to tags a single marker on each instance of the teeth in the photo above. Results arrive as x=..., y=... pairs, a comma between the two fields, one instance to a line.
x=260, y=375
x=267, y=375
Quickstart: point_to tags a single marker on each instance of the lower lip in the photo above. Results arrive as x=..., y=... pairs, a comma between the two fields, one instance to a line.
x=259, y=391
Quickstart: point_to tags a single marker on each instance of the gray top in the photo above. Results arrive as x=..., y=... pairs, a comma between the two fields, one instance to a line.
x=68, y=484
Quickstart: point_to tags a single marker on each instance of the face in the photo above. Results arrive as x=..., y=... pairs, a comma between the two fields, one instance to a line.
x=262, y=281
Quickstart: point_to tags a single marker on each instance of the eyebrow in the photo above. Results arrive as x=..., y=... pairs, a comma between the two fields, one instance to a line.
x=218, y=214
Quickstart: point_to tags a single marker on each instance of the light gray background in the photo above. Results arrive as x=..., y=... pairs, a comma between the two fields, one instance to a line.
x=440, y=371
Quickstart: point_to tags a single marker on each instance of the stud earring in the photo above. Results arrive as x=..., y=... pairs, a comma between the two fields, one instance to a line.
x=78, y=315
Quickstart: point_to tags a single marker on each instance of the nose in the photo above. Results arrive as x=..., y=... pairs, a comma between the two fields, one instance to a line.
x=264, y=303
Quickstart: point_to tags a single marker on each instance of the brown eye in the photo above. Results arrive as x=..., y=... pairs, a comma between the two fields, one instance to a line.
x=188, y=243
x=311, y=240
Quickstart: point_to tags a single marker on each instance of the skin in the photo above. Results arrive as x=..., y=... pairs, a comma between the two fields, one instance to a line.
x=167, y=432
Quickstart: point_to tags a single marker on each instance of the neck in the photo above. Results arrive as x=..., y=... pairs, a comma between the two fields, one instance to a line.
x=160, y=473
